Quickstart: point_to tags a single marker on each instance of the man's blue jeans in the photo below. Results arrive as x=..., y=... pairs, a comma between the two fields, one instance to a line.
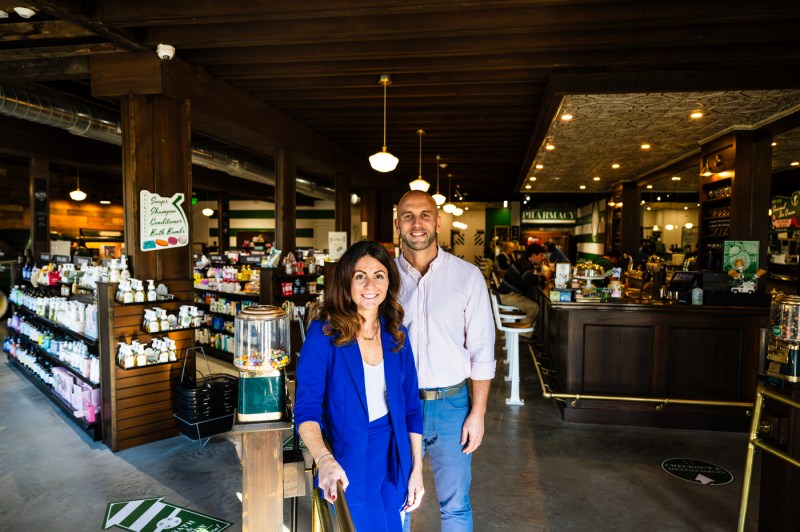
x=452, y=469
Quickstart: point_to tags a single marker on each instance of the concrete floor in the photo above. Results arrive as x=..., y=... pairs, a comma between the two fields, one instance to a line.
x=533, y=472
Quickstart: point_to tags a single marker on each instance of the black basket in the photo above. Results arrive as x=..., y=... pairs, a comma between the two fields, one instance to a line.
x=205, y=406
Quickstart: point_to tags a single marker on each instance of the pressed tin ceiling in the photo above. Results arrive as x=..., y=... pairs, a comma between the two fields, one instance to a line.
x=611, y=128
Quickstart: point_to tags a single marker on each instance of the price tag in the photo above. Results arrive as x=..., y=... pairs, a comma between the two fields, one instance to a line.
x=62, y=259
x=214, y=257
x=45, y=257
x=250, y=259
x=80, y=260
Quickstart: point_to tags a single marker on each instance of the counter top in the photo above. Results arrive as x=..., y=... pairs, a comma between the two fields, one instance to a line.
x=627, y=304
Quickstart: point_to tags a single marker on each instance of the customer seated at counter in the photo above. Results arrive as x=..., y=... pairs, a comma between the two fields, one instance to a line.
x=555, y=254
x=519, y=280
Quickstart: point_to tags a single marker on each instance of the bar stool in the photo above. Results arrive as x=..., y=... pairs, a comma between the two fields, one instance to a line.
x=512, y=330
x=508, y=313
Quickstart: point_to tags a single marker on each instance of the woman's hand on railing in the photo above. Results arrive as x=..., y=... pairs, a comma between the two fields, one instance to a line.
x=328, y=473
x=415, y=490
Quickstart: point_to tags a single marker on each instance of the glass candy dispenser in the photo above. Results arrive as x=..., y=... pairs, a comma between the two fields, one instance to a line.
x=783, y=352
x=261, y=352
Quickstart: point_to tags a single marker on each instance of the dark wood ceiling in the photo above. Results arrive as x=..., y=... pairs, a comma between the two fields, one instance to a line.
x=482, y=78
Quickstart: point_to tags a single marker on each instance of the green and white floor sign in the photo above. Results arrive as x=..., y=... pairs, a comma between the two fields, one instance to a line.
x=155, y=515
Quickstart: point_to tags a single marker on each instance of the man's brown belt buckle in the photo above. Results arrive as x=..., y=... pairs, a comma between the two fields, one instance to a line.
x=441, y=393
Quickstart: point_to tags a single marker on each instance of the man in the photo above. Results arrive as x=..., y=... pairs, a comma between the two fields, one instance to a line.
x=556, y=254
x=450, y=325
x=518, y=281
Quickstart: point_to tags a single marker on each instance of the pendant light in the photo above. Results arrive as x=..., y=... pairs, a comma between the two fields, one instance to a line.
x=438, y=197
x=419, y=183
x=448, y=207
x=208, y=211
x=383, y=161
x=78, y=194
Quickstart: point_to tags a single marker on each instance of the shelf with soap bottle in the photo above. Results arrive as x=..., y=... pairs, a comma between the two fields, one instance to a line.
x=75, y=318
x=157, y=320
x=137, y=354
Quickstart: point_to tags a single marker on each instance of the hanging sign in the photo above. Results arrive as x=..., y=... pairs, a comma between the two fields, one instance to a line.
x=784, y=211
x=697, y=471
x=163, y=223
x=337, y=244
x=154, y=514
x=549, y=216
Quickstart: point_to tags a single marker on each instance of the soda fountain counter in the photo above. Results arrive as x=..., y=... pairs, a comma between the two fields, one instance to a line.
x=650, y=362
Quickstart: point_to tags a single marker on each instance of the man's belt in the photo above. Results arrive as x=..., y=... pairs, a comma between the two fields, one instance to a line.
x=434, y=394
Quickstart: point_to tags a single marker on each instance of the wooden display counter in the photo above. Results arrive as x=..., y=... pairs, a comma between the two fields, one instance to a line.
x=651, y=363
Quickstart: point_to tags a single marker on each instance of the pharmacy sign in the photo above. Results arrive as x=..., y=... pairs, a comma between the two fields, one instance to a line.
x=155, y=515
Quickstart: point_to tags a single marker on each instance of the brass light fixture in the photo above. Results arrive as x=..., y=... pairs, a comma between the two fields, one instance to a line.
x=383, y=161
x=438, y=197
x=419, y=183
x=712, y=167
x=78, y=194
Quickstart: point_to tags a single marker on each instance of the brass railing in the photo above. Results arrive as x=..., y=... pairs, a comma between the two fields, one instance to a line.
x=660, y=402
x=754, y=443
x=321, y=520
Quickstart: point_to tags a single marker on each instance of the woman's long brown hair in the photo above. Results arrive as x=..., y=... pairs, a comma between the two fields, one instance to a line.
x=339, y=310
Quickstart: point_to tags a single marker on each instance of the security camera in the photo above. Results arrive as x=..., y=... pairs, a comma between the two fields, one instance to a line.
x=165, y=52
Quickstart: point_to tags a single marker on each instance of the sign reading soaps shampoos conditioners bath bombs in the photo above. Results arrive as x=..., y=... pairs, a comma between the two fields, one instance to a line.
x=162, y=221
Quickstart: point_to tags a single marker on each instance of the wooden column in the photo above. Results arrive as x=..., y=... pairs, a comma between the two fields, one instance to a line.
x=285, y=200
x=631, y=218
x=39, y=174
x=224, y=221
x=376, y=210
x=156, y=141
x=753, y=190
x=342, y=205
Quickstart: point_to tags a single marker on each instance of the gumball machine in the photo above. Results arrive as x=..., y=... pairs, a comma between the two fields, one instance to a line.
x=261, y=351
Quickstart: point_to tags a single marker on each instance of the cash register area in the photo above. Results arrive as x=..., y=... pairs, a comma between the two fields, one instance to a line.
x=533, y=472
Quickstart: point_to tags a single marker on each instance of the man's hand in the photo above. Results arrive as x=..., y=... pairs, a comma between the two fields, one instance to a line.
x=472, y=432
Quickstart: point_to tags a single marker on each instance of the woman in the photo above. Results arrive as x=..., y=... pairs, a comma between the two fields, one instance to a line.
x=357, y=385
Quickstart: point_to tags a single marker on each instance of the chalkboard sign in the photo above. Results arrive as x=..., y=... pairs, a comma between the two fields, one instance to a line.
x=215, y=257
x=250, y=259
x=45, y=257
x=80, y=260
x=62, y=259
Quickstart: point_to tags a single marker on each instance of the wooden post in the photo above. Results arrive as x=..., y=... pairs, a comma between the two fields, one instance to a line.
x=285, y=200
x=39, y=174
x=262, y=475
x=342, y=205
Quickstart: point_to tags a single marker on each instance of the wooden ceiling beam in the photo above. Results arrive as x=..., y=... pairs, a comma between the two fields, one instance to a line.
x=38, y=30
x=217, y=105
x=58, y=52
x=44, y=69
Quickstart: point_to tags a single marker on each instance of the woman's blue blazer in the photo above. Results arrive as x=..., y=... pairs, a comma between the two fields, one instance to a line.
x=331, y=391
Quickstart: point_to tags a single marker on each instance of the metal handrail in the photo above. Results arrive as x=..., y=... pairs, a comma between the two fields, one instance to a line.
x=753, y=443
x=321, y=520
x=660, y=401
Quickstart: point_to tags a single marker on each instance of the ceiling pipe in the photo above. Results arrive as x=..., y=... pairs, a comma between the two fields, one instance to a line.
x=80, y=119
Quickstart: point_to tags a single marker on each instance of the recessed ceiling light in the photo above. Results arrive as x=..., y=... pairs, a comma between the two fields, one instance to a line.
x=643, y=202
x=686, y=208
x=549, y=146
x=645, y=146
x=582, y=187
x=596, y=178
x=649, y=209
x=105, y=202
x=466, y=208
x=532, y=178
x=649, y=186
x=774, y=143
x=615, y=166
x=795, y=163
x=539, y=166
x=527, y=187
x=556, y=179
x=658, y=198
x=676, y=178
x=566, y=116
x=696, y=114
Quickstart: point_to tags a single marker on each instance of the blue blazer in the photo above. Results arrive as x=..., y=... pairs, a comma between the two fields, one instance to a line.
x=331, y=391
